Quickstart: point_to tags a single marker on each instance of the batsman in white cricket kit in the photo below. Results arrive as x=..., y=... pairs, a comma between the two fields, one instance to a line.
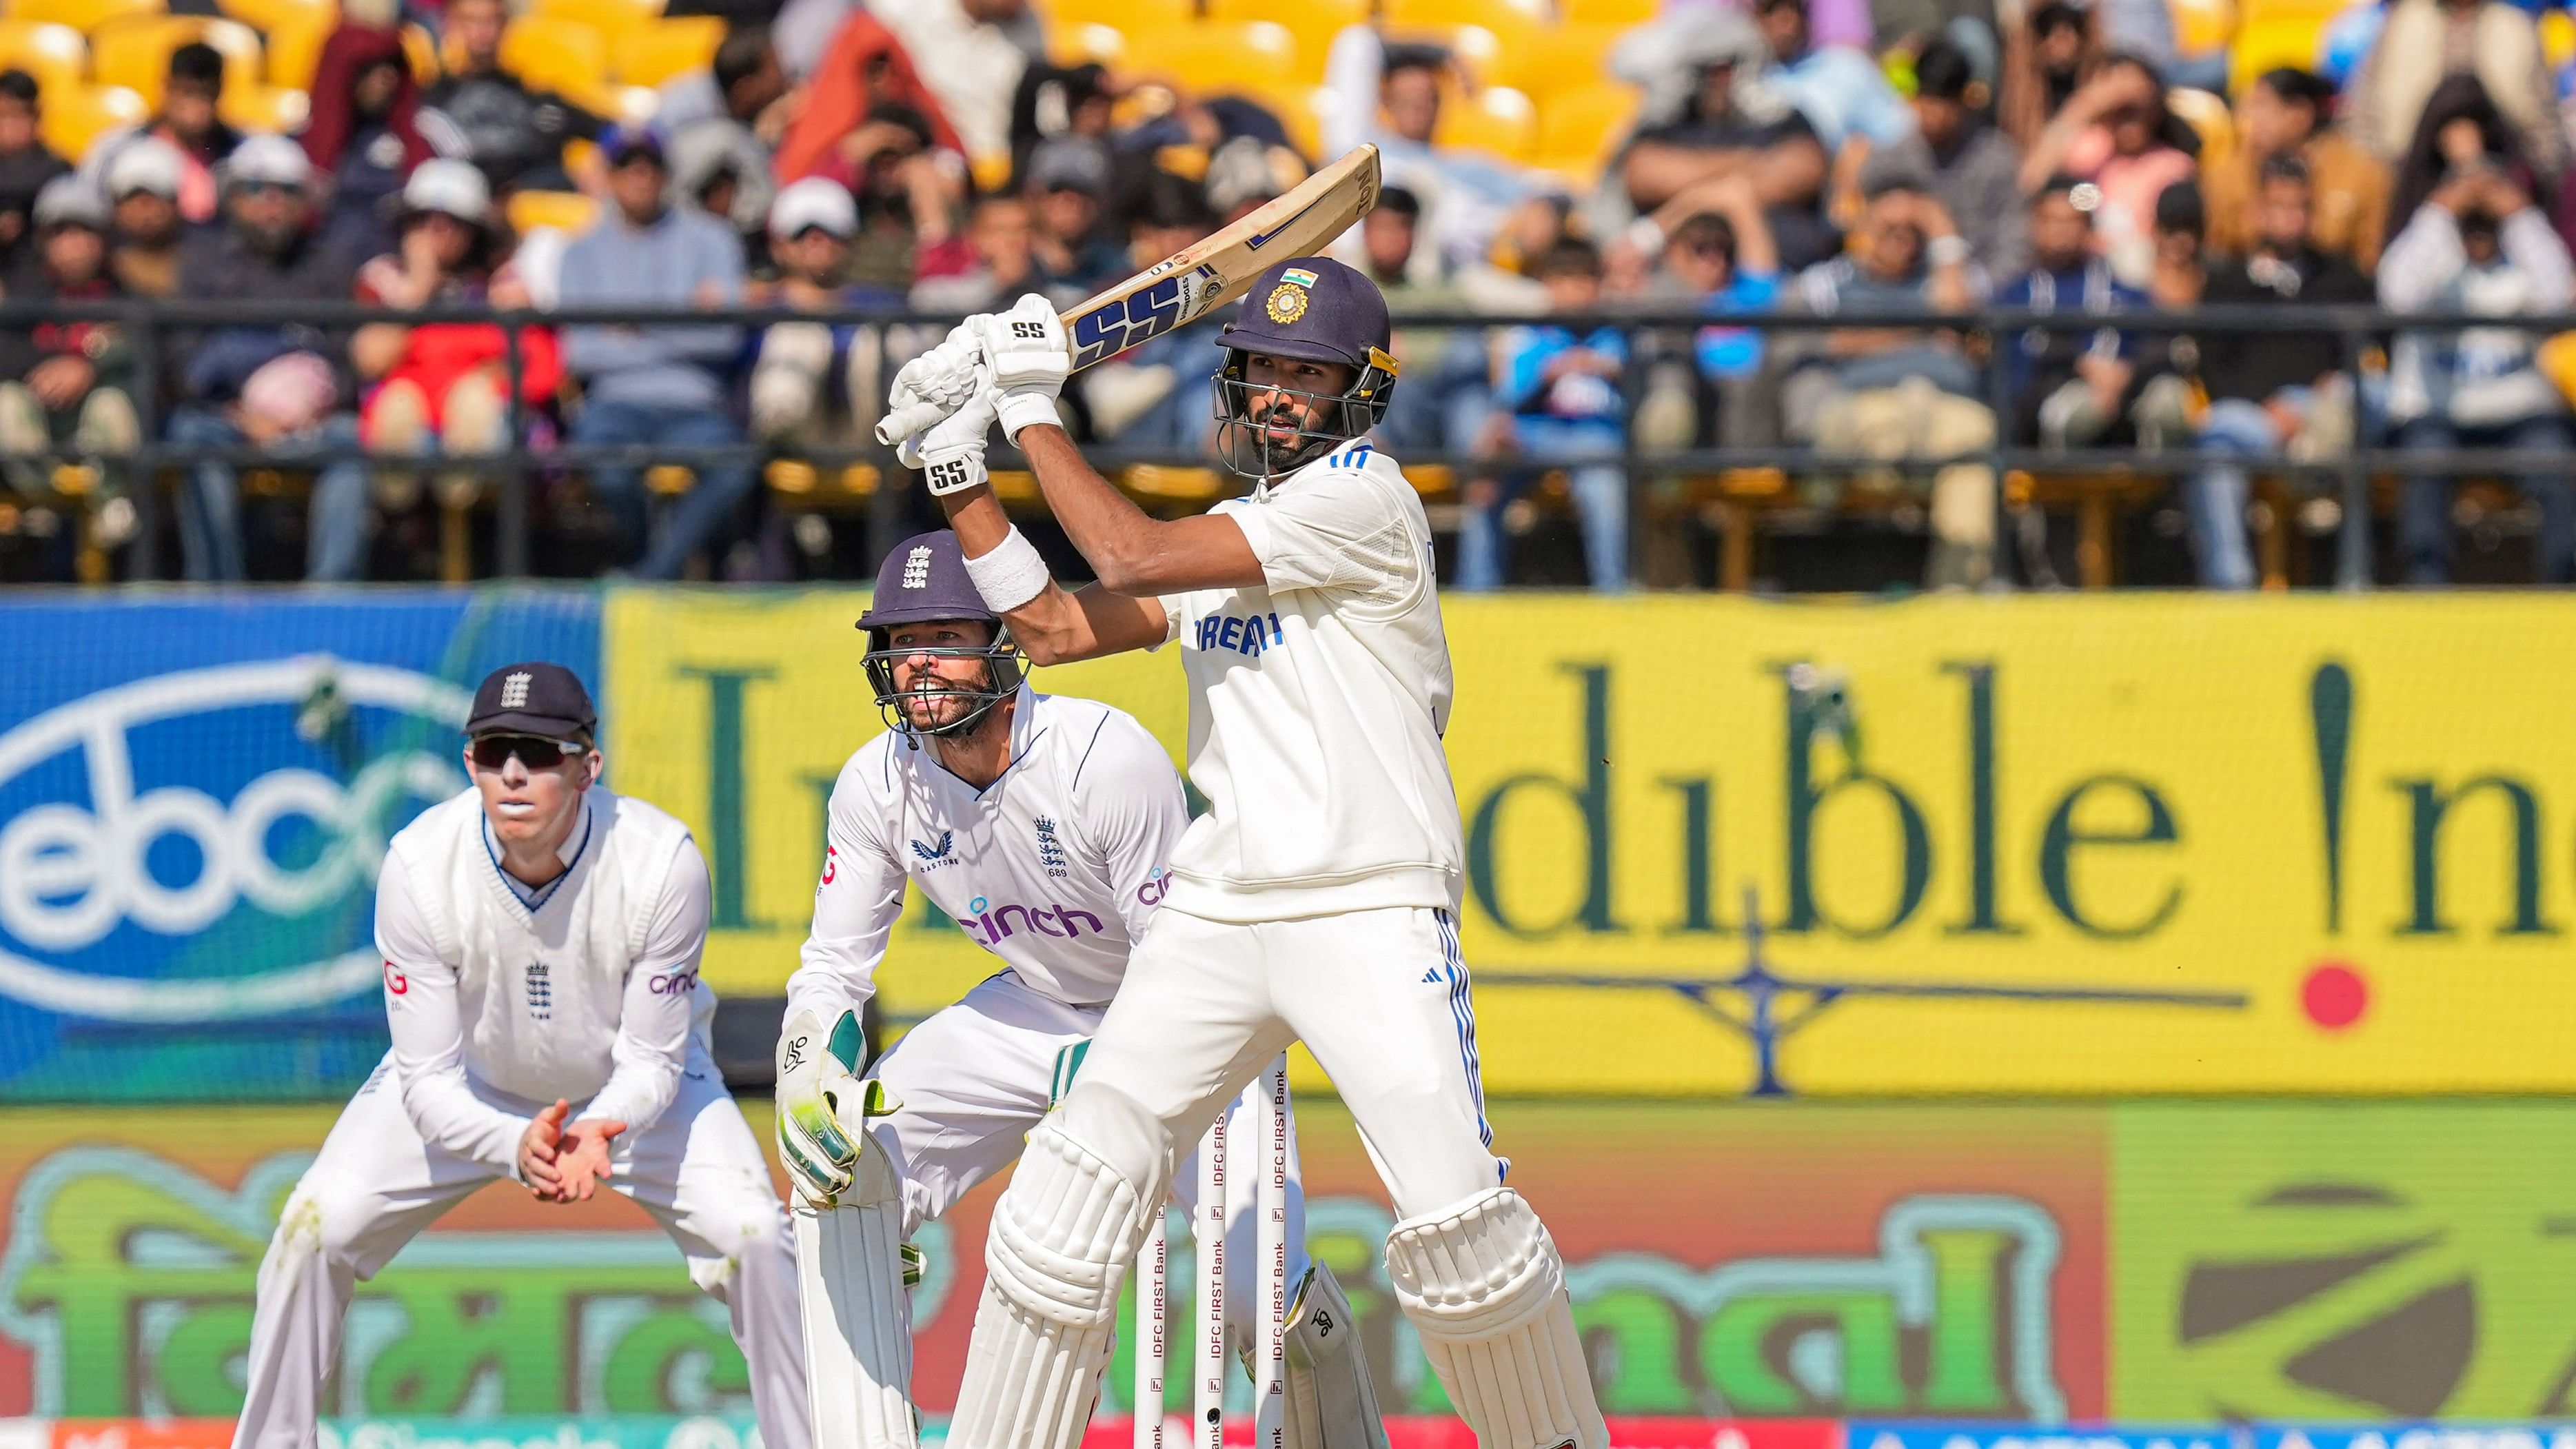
x=1315, y=900
x=1041, y=825
x=541, y=939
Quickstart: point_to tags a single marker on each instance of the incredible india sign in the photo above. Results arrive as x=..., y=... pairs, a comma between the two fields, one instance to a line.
x=2062, y=844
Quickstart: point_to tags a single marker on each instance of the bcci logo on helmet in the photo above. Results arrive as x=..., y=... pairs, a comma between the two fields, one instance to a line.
x=290, y=776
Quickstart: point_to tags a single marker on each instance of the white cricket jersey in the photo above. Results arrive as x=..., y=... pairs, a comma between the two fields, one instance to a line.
x=498, y=1007
x=1054, y=867
x=1317, y=702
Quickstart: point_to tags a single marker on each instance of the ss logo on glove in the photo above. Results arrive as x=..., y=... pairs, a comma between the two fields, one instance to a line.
x=948, y=475
x=1029, y=331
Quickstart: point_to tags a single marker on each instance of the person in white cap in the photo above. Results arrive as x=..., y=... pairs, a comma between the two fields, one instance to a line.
x=816, y=382
x=269, y=387
x=444, y=387
x=67, y=386
x=142, y=183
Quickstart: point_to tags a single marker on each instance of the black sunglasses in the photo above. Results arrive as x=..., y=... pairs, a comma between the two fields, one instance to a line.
x=491, y=752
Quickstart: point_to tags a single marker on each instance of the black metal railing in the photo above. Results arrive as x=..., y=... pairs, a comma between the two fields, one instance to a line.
x=897, y=334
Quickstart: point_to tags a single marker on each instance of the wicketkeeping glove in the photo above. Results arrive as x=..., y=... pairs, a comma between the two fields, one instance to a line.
x=1026, y=349
x=823, y=1106
x=931, y=386
x=951, y=455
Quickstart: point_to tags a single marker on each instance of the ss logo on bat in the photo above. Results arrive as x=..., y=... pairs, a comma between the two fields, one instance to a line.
x=1128, y=322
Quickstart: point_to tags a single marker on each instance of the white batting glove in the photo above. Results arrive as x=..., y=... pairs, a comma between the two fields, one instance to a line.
x=931, y=386
x=1030, y=359
x=823, y=1107
x=951, y=455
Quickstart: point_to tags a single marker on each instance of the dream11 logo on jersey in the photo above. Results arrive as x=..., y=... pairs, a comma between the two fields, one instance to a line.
x=200, y=845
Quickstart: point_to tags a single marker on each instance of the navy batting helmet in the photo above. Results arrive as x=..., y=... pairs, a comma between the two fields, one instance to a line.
x=925, y=581
x=1305, y=309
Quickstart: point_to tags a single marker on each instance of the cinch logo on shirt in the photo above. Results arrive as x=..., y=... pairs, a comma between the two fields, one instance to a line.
x=676, y=983
x=990, y=927
x=1242, y=635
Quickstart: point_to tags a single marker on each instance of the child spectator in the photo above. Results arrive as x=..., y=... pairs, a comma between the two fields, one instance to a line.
x=68, y=384
x=1557, y=402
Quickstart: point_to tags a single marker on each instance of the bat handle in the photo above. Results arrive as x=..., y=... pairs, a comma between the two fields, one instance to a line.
x=907, y=420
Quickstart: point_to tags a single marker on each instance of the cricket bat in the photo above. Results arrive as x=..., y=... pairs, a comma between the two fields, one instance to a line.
x=1198, y=279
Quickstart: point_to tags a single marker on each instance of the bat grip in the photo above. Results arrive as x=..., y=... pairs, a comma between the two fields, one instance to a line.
x=905, y=421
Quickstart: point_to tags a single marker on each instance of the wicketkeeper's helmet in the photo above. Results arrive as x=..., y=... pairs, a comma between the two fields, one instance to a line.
x=925, y=581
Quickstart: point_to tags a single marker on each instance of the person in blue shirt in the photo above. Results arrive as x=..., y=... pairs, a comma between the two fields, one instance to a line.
x=1557, y=401
x=2079, y=387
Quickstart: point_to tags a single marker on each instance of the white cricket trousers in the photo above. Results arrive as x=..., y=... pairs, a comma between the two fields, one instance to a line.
x=971, y=1082
x=698, y=1171
x=1381, y=999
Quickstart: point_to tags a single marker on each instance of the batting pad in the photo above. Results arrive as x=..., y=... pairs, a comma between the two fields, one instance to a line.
x=1331, y=1403
x=1485, y=1289
x=1054, y=1259
x=858, y=1321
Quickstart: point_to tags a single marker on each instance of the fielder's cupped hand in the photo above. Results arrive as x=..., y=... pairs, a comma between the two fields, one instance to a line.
x=1026, y=349
x=565, y=1162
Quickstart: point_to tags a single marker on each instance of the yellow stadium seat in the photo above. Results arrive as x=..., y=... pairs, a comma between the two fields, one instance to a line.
x=2558, y=38
x=266, y=108
x=1577, y=127
x=1606, y=12
x=1481, y=55
x=1313, y=22
x=557, y=55
x=565, y=211
x=1567, y=57
x=654, y=52
x=54, y=54
x=611, y=18
x=84, y=16
x=135, y=53
x=270, y=14
x=2202, y=27
x=1300, y=109
x=1495, y=15
x=1496, y=119
x=74, y=116
x=1129, y=15
x=421, y=49
x=1213, y=57
x=293, y=31
x=2269, y=41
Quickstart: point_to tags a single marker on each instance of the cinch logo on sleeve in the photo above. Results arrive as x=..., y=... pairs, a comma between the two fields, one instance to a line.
x=987, y=925
x=1243, y=635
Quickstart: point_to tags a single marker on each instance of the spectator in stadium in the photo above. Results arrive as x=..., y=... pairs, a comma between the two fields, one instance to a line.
x=363, y=135
x=664, y=385
x=1444, y=389
x=1839, y=89
x=864, y=72
x=282, y=388
x=1243, y=175
x=189, y=123
x=1556, y=403
x=2118, y=134
x=2478, y=245
x=1961, y=158
x=481, y=113
x=143, y=187
x=1390, y=95
x=444, y=387
x=2288, y=112
x=2273, y=392
x=66, y=384
x=26, y=164
x=2078, y=388
x=712, y=176
x=906, y=192
x=722, y=121
x=1901, y=394
x=970, y=54
x=816, y=382
x=1732, y=121
x=2463, y=132
x=1717, y=258
x=1059, y=100
x=1000, y=267
x=2422, y=43
x=2047, y=58
x=2181, y=272
x=1069, y=182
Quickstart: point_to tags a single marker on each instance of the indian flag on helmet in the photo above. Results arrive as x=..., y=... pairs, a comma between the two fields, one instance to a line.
x=1298, y=275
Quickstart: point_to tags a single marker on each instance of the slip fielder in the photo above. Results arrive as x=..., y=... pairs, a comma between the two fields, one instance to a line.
x=1041, y=825
x=1314, y=901
x=541, y=938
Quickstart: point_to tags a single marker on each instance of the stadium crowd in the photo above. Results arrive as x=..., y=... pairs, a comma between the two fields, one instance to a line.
x=1699, y=163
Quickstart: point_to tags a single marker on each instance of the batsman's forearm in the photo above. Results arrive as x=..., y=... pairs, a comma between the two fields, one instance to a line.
x=1113, y=535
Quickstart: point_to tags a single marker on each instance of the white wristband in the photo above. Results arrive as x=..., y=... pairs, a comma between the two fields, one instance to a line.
x=1019, y=410
x=1946, y=251
x=1009, y=576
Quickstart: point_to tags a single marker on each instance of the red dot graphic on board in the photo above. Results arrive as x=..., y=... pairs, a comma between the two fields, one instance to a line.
x=2335, y=995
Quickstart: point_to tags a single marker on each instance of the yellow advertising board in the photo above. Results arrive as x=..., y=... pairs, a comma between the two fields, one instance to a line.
x=2032, y=844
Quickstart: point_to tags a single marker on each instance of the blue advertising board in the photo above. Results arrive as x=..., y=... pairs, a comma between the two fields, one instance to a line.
x=195, y=794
